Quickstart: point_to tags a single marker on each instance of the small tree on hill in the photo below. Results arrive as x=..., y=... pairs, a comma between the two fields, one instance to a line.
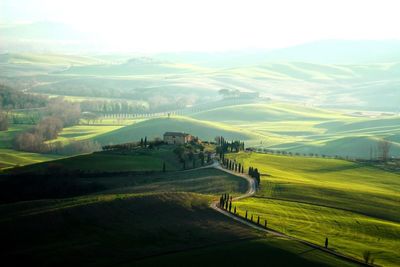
x=367, y=256
x=384, y=147
x=164, y=167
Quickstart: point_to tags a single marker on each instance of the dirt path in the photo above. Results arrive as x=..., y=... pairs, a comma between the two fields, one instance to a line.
x=250, y=192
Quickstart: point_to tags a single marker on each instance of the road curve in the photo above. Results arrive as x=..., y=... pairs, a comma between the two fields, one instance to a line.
x=250, y=192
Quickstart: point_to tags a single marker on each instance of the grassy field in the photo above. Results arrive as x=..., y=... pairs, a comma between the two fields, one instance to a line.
x=84, y=132
x=304, y=129
x=140, y=160
x=265, y=125
x=354, y=205
x=205, y=181
x=11, y=158
x=157, y=127
x=127, y=225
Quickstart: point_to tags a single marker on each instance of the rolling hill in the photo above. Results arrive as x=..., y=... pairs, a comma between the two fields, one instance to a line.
x=154, y=128
x=353, y=204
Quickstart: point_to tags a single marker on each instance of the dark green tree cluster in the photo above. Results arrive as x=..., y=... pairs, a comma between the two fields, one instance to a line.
x=143, y=142
x=233, y=165
x=11, y=98
x=224, y=146
x=134, y=145
x=225, y=202
x=253, y=172
x=191, y=154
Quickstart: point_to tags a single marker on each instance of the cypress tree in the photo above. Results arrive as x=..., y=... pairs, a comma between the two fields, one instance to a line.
x=246, y=214
x=234, y=210
x=258, y=220
x=145, y=141
x=141, y=142
x=164, y=167
x=251, y=217
x=265, y=223
x=230, y=206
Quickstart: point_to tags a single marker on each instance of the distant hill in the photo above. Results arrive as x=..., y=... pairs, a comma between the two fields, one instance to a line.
x=320, y=52
x=157, y=127
x=134, y=66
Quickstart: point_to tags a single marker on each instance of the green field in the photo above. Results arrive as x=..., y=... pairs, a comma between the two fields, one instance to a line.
x=10, y=158
x=153, y=128
x=354, y=205
x=303, y=129
x=265, y=125
x=139, y=160
x=83, y=132
x=126, y=225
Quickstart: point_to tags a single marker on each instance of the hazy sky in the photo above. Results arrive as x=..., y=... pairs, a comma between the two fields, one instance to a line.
x=175, y=25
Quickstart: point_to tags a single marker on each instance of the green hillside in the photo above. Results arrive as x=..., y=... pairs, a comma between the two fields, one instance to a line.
x=353, y=204
x=266, y=112
x=134, y=66
x=139, y=160
x=11, y=158
x=48, y=58
x=153, y=128
x=119, y=226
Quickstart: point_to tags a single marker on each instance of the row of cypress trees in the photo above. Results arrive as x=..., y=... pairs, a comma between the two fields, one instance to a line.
x=225, y=202
x=232, y=165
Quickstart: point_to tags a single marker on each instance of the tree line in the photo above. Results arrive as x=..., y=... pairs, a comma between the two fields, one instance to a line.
x=190, y=154
x=224, y=146
x=59, y=114
x=238, y=167
x=225, y=202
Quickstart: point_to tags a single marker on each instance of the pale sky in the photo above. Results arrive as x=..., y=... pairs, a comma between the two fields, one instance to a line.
x=213, y=25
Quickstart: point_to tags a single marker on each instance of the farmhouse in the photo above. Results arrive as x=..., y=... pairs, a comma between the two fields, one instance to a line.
x=178, y=138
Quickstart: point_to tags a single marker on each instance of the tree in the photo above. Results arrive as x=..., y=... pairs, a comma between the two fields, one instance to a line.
x=164, y=167
x=49, y=127
x=367, y=256
x=201, y=156
x=384, y=147
x=68, y=112
x=179, y=151
x=145, y=141
x=326, y=242
x=3, y=121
